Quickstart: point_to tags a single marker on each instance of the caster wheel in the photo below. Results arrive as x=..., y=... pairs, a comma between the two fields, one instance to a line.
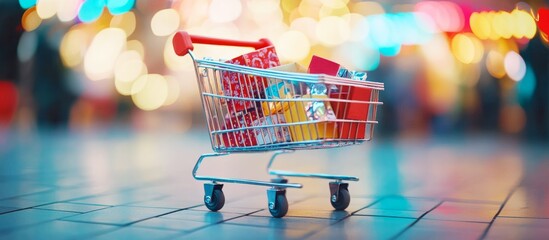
x=281, y=207
x=343, y=200
x=279, y=180
x=216, y=202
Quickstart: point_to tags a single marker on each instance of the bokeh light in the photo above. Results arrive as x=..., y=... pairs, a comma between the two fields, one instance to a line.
x=495, y=25
x=293, y=46
x=515, y=67
x=165, y=22
x=125, y=22
x=27, y=3
x=335, y=3
x=309, y=8
x=137, y=46
x=331, y=31
x=480, y=25
x=383, y=34
x=27, y=46
x=73, y=46
x=173, y=90
x=225, y=10
x=67, y=10
x=448, y=16
x=467, y=48
x=91, y=10
x=526, y=86
x=150, y=91
x=307, y=26
x=494, y=64
x=358, y=26
x=101, y=55
x=46, y=8
x=30, y=19
x=127, y=69
x=356, y=56
x=117, y=7
x=525, y=25
x=326, y=11
x=503, y=24
x=367, y=8
x=264, y=11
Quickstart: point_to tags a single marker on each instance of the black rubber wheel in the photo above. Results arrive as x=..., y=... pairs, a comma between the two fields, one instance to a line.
x=216, y=202
x=281, y=207
x=279, y=180
x=343, y=200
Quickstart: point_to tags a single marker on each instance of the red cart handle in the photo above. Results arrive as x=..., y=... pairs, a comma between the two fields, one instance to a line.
x=183, y=42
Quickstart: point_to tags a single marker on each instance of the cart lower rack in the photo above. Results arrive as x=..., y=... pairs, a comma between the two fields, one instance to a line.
x=251, y=109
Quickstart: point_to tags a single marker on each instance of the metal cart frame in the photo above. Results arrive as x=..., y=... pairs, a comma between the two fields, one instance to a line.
x=215, y=101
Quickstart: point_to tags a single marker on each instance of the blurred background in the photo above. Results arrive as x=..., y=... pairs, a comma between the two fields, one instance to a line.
x=450, y=67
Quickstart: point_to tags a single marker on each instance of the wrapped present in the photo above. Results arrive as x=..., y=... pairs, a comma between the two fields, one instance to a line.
x=345, y=110
x=307, y=111
x=279, y=89
x=351, y=111
x=271, y=132
x=246, y=86
x=321, y=65
x=245, y=136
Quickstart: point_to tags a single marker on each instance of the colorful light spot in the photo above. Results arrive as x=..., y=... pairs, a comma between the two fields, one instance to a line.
x=27, y=3
x=117, y=7
x=515, y=67
x=91, y=10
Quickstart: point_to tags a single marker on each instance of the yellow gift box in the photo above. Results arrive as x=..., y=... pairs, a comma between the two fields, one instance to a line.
x=302, y=112
x=278, y=89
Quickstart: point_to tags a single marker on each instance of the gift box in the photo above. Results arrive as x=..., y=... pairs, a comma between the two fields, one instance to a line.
x=351, y=111
x=321, y=65
x=345, y=110
x=279, y=89
x=273, y=133
x=307, y=111
x=244, y=137
x=247, y=86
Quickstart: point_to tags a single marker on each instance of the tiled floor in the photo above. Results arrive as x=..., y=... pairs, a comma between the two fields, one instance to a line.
x=124, y=185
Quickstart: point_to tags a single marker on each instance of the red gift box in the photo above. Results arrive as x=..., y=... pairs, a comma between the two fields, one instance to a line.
x=246, y=86
x=352, y=111
x=240, y=138
x=320, y=65
x=345, y=110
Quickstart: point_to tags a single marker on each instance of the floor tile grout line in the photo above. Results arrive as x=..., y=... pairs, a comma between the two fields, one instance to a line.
x=95, y=210
x=384, y=216
x=517, y=217
x=416, y=221
x=106, y=193
x=55, y=210
x=121, y=225
x=30, y=225
x=157, y=216
x=27, y=208
x=457, y=200
x=312, y=233
x=51, y=203
x=513, y=190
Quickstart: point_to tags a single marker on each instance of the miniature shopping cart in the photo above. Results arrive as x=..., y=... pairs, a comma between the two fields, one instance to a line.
x=279, y=111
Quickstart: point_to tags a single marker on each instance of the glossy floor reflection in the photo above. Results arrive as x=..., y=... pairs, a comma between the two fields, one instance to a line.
x=124, y=185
